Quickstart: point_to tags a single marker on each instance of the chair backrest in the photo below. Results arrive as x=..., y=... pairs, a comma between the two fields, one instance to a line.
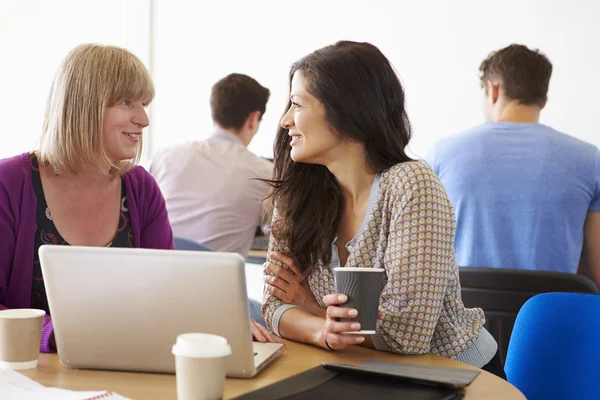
x=501, y=293
x=184, y=244
x=554, y=351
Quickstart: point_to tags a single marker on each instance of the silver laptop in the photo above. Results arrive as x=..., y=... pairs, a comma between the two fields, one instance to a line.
x=122, y=309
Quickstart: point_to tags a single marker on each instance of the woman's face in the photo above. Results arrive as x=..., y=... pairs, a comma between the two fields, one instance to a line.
x=313, y=139
x=122, y=129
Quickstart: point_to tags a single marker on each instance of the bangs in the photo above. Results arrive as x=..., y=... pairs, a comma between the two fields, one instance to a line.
x=132, y=81
x=90, y=78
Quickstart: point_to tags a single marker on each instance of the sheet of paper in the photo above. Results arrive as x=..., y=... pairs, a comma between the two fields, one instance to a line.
x=14, y=386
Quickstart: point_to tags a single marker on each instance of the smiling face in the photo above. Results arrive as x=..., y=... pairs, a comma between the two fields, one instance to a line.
x=122, y=129
x=313, y=139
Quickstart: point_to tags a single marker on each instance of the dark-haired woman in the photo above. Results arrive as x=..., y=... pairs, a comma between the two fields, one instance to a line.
x=346, y=194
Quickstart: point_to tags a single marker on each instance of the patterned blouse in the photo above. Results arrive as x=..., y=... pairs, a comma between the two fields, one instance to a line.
x=46, y=233
x=409, y=231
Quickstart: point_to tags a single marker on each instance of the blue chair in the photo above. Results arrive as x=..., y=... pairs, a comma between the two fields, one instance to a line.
x=554, y=350
x=501, y=293
x=184, y=244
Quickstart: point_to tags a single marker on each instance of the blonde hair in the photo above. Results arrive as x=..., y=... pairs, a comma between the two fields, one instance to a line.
x=89, y=79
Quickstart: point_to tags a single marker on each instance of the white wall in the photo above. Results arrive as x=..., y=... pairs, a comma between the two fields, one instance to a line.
x=435, y=45
x=35, y=35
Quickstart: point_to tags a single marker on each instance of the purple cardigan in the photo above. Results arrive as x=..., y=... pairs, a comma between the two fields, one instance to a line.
x=149, y=222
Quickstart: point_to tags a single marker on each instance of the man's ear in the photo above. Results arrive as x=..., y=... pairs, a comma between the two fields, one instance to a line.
x=544, y=103
x=493, y=91
x=253, y=120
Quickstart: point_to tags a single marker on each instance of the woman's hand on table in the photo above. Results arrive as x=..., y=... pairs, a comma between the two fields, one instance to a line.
x=262, y=334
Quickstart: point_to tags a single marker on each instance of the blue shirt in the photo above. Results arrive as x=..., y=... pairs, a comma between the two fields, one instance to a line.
x=520, y=193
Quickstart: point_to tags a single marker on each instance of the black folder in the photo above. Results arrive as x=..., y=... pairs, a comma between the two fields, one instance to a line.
x=372, y=380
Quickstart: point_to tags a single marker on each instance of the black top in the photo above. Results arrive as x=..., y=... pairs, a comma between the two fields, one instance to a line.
x=46, y=233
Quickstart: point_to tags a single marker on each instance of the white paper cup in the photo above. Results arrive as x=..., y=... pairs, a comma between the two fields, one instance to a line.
x=200, y=366
x=20, y=336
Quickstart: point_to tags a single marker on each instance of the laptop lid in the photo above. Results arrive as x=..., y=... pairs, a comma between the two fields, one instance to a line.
x=122, y=308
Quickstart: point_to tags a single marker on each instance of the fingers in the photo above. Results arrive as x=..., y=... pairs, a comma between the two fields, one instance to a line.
x=262, y=334
x=334, y=326
x=280, y=272
x=256, y=332
x=274, y=338
x=277, y=282
x=334, y=329
x=339, y=342
x=275, y=291
x=335, y=299
x=282, y=258
x=267, y=335
x=289, y=261
x=340, y=312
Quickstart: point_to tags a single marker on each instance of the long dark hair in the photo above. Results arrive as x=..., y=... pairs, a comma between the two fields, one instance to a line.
x=364, y=101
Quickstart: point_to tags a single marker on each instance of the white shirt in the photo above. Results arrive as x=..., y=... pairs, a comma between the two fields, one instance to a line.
x=210, y=195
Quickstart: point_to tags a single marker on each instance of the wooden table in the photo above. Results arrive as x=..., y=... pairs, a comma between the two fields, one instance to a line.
x=258, y=253
x=295, y=359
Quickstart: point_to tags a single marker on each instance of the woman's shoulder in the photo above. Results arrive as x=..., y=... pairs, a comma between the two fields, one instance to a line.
x=409, y=176
x=141, y=182
x=138, y=174
x=15, y=169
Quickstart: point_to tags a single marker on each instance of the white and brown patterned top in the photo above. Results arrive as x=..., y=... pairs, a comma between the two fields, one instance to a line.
x=409, y=231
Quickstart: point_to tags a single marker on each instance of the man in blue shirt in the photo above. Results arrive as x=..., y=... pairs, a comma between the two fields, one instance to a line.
x=525, y=195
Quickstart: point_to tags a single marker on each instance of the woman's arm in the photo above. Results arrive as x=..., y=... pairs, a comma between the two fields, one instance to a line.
x=155, y=228
x=419, y=263
x=276, y=311
x=320, y=326
x=7, y=244
x=7, y=261
x=273, y=307
x=301, y=326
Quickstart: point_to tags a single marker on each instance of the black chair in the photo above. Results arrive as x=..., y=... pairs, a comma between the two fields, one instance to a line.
x=501, y=293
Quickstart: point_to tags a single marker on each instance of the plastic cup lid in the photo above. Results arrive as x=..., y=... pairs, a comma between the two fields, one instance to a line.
x=201, y=345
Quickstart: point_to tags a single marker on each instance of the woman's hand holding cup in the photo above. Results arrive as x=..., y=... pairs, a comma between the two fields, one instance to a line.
x=358, y=291
x=332, y=335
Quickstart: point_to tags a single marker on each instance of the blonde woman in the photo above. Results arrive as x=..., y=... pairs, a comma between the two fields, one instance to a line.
x=82, y=187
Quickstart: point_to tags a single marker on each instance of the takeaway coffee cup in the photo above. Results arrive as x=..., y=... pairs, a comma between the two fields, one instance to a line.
x=363, y=287
x=200, y=366
x=20, y=335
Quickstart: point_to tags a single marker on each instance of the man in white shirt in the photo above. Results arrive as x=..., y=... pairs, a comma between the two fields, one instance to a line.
x=211, y=189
